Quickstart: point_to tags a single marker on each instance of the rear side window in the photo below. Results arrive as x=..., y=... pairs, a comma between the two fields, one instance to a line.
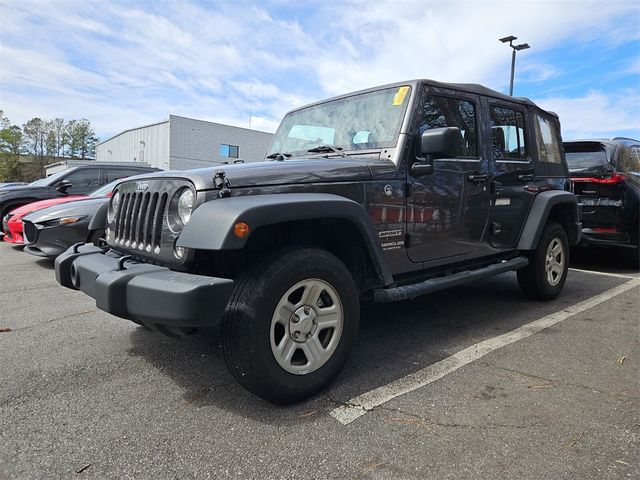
x=547, y=139
x=440, y=112
x=507, y=132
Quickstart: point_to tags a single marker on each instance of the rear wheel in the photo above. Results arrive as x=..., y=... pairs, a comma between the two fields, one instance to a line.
x=546, y=274
x=290, y=324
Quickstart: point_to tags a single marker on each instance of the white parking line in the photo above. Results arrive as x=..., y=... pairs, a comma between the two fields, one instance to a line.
x=360, y=405
x=606, y=274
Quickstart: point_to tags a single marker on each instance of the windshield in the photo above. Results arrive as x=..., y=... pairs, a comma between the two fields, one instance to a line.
x=368, y=120
x=105, y=190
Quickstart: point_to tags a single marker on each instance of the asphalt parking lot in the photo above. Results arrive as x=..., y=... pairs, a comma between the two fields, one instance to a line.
x=87, y=395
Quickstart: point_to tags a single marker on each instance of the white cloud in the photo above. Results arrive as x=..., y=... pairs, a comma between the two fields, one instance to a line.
x=596, y=115
x=122, y=64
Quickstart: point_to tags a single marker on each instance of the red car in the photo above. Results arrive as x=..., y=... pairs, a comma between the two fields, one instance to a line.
x=12, y=222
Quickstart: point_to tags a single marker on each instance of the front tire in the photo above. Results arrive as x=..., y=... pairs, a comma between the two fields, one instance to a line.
x=546, y=274
x=290, y=324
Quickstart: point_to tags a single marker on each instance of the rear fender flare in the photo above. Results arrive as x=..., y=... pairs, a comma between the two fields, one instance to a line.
x=539, y=215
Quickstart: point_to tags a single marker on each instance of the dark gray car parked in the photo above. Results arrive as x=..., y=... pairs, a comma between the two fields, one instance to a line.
x=80, y=180
x=379, y=195
x=50, y=231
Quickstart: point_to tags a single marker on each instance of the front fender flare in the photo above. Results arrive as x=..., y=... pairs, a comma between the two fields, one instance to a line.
x=211, y=224
x=99, y=219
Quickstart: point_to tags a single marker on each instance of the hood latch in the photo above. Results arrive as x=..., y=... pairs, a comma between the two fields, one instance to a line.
x=222, y=183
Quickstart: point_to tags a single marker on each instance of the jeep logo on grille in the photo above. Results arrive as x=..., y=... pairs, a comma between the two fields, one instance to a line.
x=142, y=187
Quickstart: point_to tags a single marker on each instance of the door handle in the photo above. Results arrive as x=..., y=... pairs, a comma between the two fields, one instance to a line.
x=478, y=178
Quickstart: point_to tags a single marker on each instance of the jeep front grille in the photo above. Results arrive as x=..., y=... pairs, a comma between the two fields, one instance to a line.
x=138, y=222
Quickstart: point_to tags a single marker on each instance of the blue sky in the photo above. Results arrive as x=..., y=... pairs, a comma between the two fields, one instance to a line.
x=125, y=64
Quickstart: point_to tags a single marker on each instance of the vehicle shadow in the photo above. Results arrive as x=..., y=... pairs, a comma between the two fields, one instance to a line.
x=47, y=263
x=602, y=259
x=394, y=340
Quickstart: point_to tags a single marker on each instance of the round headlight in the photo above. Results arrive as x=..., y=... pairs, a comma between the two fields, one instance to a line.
x=185, y=205
x=113, y=208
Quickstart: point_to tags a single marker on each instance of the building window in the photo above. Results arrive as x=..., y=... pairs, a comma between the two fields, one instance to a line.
x=230, y=151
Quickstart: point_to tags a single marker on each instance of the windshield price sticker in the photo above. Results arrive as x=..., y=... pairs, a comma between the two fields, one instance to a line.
x=399, y=96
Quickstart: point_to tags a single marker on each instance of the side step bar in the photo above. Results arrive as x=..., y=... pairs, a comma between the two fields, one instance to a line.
x=408, y=292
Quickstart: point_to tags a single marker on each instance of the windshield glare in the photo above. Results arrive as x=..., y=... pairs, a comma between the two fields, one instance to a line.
x=364, y=121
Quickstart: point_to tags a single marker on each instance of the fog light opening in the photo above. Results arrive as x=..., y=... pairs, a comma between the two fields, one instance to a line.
x=75, y=280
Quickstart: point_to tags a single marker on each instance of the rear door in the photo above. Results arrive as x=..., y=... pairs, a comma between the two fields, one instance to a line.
x=512, y=168
x=447, y=210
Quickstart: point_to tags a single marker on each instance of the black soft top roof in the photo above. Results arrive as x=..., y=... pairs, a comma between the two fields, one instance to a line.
x=466, y=87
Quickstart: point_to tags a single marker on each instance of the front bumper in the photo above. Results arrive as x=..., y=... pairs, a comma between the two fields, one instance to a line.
x=53, y=241
x=13, y=232
x=155, y=296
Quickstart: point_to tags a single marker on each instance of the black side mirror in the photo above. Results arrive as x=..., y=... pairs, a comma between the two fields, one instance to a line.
x=63, y=186
x=441, y=142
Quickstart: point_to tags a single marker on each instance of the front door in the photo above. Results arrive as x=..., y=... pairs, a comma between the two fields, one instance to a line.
x=447, y=210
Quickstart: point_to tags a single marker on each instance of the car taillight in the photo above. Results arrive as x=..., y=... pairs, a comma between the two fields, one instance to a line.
x=613, y=179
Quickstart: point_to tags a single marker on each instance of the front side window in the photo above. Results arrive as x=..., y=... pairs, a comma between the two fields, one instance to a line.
x=85, y=180
x=440, y=112
x=367, y=120
x=507, y=133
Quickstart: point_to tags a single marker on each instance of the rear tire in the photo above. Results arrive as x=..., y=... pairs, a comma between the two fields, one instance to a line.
x=546, y=274
x=290, y=324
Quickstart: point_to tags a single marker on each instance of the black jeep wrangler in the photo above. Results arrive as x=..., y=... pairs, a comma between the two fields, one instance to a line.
x=379, y=195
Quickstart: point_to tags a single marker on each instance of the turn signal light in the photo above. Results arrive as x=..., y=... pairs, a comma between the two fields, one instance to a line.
x=241, y=229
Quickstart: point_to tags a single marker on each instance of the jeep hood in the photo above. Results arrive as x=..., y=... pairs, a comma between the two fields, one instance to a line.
x=298, y=171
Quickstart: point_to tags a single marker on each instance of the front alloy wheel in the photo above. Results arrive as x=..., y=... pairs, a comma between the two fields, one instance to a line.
x=306, y=326
x=290, y=324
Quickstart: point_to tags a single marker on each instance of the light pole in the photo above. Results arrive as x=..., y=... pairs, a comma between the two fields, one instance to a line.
x=516, y=48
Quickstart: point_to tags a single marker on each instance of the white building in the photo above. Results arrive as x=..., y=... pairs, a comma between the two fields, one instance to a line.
x=183, y=143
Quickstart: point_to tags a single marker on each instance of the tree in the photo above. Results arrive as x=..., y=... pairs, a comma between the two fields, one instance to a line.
x=35, y=137
x=82, y=138
x=57, y=127
x=10, y=146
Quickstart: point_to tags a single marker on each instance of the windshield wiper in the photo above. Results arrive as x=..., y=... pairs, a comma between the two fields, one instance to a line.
x=326, y=148
x=278, y=156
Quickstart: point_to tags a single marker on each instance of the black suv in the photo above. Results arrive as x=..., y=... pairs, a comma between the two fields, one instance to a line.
x=80, y=180
x=606, y=179
x=379, y=195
